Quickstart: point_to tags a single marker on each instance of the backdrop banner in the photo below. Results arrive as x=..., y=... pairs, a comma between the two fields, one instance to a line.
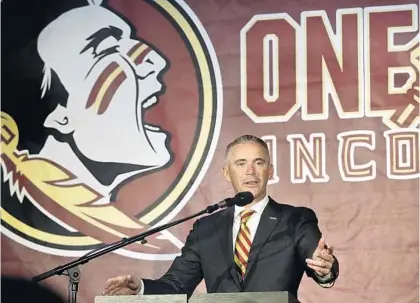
x=115, y=117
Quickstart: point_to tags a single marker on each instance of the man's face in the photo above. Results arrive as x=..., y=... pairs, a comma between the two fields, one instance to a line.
x=248, y=168
x=112, y=79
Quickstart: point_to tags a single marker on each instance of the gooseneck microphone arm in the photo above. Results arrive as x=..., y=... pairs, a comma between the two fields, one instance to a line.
x=71, y=269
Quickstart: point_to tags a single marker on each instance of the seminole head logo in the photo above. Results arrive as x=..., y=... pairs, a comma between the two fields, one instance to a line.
x=124, y=103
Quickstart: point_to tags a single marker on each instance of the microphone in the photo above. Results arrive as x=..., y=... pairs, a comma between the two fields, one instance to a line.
x=71, y=268
x=241, y=199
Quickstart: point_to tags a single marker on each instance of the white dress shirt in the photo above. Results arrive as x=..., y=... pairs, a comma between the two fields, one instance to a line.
x=253, y=221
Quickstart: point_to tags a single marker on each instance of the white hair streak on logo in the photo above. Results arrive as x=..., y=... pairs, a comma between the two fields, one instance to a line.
x=46, y=80
x=95, y=2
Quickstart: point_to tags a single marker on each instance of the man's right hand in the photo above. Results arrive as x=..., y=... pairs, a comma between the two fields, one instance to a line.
x=122, y=285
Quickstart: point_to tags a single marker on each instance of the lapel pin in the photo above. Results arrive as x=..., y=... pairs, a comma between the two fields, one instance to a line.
x=273, y=218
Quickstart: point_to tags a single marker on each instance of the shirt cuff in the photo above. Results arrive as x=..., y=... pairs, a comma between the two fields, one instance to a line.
x=141, y=291
x=323, y=281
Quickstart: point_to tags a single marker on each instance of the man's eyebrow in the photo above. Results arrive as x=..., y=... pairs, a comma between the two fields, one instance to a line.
x=260, y=159
x=100, y=35
x=239, y=160
x=255, y=160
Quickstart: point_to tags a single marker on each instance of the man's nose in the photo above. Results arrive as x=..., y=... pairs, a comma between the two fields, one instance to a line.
x=250, y=170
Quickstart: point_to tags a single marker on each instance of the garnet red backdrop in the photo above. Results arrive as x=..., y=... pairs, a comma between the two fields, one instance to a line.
x=332, y=86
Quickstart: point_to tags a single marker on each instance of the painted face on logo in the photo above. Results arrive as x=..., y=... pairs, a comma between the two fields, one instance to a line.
x=248, y=168
x=112, y=79
x=109, y=82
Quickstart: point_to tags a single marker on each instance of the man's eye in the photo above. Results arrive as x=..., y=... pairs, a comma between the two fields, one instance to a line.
x=241, y=164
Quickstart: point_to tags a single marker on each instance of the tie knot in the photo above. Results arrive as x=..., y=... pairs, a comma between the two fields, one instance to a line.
x=246, y=215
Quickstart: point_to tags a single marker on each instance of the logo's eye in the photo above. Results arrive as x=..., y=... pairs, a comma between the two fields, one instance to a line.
x=107, y=45
x=104, y=41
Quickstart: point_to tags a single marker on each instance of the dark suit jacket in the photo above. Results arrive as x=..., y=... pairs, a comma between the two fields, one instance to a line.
x=285, y=236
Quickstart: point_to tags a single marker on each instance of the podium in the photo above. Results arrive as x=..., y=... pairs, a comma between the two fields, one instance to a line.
x=142, y=299
x=240, y=297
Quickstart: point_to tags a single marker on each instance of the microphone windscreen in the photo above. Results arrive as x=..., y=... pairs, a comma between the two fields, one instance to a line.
x=246, y=197
x=241, y=199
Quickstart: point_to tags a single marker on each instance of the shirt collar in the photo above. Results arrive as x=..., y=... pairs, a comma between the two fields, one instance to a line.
x=257, y=207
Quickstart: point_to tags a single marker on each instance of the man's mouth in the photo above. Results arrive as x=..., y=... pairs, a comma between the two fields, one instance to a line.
x=147, y=105
x=252, y=183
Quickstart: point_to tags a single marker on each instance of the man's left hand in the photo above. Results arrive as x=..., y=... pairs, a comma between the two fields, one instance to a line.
x=322, y=259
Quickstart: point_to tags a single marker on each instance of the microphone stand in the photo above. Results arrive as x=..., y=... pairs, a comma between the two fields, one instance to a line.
x=72, y=270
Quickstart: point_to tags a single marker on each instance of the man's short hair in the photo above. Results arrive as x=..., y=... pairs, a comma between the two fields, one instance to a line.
x=245, y=139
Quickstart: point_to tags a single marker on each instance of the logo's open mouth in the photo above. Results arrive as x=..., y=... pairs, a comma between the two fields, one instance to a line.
x=150, y=102
x=147, y=105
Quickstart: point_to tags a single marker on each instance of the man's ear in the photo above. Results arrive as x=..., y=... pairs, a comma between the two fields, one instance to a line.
x=270, y=171
x=59, y=120
x=226, y=173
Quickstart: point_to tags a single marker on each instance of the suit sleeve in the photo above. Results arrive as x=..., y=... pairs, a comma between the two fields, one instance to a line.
x=185, y=272
x=307, y=235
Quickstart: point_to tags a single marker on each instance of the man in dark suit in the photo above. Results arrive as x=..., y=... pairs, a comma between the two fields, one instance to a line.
x=264, y=246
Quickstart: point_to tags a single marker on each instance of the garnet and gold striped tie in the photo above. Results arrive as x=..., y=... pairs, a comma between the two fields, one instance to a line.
x=243, y=242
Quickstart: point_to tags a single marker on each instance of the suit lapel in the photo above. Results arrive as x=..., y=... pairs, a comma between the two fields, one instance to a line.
x=224, y=226
x=268, y=221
